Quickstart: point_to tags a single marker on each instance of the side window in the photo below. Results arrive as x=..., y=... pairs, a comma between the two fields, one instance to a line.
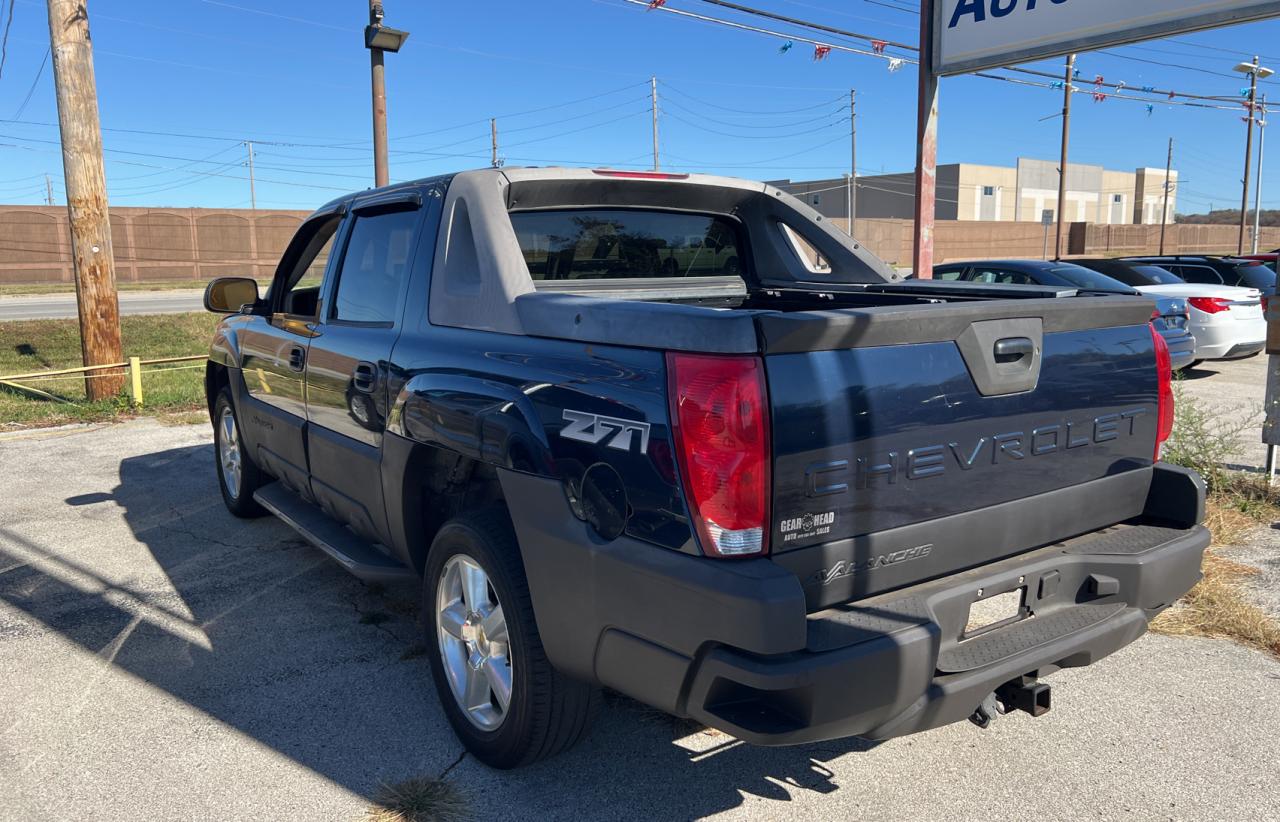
x=810, y=256
x=1198, y=274
x=947, y=273
x=299, y=286
x=374, y=266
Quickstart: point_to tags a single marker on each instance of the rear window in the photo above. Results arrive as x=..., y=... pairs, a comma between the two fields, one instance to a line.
x=1257, y=276
x=609, y=244
x=1155, y=275
x=1088, y=280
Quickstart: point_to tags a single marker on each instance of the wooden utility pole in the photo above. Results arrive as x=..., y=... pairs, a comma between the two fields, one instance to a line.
x=1257, y=185
x=853, y=161
x=926, y=184
x=378, y=75
x=1062, y=162
x=653, y=97
x=86, y=186
x=1248, y=151
x=493, y=142
x=253, y=194
x=1164, y=209
x=48, y=189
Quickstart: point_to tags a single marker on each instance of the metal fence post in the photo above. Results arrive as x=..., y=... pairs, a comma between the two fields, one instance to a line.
x=135, y=382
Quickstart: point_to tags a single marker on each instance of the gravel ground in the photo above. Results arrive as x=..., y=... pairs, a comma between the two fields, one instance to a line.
x=163, y=660
x=1234, y=389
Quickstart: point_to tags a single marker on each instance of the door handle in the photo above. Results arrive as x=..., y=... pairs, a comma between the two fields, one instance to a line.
x=365, y=377
x=297, y=358
x=1013, y=349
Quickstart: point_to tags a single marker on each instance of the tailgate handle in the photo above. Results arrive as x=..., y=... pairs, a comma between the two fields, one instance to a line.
x=1012, y=349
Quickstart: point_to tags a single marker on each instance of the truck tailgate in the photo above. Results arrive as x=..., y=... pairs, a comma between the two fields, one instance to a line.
x=917, y=441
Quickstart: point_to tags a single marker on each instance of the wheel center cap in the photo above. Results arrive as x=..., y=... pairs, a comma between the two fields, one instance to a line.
x=473, y=634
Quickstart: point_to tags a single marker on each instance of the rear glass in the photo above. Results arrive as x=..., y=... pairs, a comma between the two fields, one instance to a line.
x=1155, y=275
x=1090, y=280
x=1257, y=276
x=608, y=244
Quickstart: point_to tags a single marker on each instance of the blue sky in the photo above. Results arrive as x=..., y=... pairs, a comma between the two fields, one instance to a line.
x=182, y=82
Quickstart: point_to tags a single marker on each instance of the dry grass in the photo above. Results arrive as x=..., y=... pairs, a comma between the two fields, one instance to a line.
x=421, y=799
x=1219, y=606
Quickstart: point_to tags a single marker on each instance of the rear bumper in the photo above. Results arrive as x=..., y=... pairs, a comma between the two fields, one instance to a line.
x=1228, y=339
x=730, y=645
x=893, y=665
x=1182, y=349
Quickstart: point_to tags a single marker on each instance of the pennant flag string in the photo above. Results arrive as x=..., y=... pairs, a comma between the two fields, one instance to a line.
x=821, y=51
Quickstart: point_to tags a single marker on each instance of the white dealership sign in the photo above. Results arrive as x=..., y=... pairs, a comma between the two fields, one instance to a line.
x=976, y=34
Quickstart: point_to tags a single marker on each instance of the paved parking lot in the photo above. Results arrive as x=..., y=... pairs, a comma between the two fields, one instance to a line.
x=162, y=660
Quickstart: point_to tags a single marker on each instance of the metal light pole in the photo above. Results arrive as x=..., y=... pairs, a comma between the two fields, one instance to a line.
x=1255, y=70
x=379, y=39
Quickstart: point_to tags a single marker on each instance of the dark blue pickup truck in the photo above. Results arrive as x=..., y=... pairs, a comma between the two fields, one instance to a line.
x=677, y=436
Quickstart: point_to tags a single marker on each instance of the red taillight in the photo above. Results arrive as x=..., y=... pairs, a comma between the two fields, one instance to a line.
x=720, y=417
x=1164, y=378
x=1209, y=305
x=639, y=175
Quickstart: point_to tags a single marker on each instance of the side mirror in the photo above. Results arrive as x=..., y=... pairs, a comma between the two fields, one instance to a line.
x=226, y=295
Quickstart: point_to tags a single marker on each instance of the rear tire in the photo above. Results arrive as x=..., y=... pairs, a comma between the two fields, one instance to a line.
x=238, y=475
x=478, y=620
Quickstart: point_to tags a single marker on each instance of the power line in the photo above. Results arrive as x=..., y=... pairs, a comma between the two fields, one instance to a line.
x=4, y=43
x=34, y=83
x=782, y=18
x=827, y=116
x=832, y=119
x=776, y=112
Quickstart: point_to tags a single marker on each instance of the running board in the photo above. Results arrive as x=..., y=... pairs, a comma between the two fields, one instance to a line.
x=318, y=528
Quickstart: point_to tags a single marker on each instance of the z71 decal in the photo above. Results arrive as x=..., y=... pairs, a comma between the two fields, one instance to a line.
x=593, y=428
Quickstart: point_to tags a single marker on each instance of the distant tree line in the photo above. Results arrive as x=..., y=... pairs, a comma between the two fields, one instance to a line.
x=1229, y=216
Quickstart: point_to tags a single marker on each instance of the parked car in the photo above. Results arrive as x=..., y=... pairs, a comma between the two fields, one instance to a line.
x=1211, y=270
x=793, y=501
x=1268, y=259
x=1227, y=321
x=1169, y=318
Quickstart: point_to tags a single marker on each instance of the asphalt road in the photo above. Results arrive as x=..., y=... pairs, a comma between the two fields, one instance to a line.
x=61, y=306
x=160, y=659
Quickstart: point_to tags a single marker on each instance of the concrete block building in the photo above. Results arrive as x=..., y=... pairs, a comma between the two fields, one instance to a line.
x=1023, y=193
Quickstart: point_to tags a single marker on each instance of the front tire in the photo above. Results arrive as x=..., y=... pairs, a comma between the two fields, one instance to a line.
x=505, y=701
x=238, y=475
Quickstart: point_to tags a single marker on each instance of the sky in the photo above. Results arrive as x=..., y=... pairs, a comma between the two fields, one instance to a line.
x=183, y=84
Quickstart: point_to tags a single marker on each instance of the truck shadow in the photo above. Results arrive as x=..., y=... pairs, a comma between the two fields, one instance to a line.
x=246, y=623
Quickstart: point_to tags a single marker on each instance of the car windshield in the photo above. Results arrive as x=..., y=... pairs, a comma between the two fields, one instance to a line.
x=1086, y=279
x=1257, y=276
x=1155, y=275
x=607, y=244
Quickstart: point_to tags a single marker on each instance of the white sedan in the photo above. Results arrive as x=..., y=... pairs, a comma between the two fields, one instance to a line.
x=1226, y=320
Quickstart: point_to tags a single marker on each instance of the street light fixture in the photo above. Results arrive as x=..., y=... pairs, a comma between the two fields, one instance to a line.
x=379, y=39
x=384, y=37
x=1253, y=68
x=1256, y=71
